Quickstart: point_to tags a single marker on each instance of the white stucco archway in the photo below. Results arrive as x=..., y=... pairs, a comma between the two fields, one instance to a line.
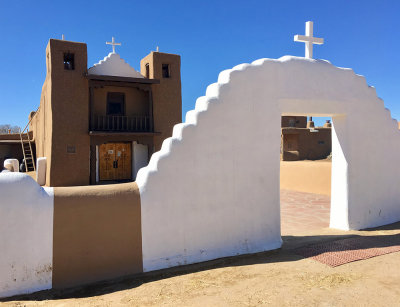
x=213, y=188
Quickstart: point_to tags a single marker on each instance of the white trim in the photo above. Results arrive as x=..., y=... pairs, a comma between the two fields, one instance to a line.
x=97, y=163
x=133, y=161
x=113, y=65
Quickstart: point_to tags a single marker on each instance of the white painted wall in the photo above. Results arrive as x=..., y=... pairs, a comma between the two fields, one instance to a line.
x=41, y=164
x=140, y=157
x=26, y=235
x=14, y=163
x=113, y=65
x=213, y=188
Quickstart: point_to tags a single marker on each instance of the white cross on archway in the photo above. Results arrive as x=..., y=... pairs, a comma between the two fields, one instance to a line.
x=309, y=39
x=113, y=43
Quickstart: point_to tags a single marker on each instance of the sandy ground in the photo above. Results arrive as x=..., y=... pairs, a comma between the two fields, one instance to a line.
x=276, y=278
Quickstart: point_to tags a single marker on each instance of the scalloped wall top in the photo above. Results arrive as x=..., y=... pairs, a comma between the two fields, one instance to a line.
x=114, y=65
x=213, y=189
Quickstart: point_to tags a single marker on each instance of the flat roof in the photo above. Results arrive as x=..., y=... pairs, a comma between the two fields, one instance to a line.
x=11, y=142
x=122, y=79
x=107, y=133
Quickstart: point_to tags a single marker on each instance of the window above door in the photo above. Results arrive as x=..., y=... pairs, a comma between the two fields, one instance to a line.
x=115, y=103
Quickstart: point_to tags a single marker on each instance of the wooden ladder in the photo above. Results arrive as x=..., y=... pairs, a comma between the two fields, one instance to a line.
x=27, y=151
x=27, y=146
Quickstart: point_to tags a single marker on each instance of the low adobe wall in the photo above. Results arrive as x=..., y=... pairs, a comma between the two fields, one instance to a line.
x=62, y=237
x=97, y=233
x=306, y=176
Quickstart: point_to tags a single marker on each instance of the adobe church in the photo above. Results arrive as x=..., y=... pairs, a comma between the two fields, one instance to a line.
x=102, y=124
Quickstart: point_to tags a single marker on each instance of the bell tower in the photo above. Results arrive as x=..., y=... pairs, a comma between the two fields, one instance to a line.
x=68, y=98
x=167, y=95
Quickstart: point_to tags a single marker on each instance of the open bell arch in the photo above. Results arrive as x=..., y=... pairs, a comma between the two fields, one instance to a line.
x=213, y=188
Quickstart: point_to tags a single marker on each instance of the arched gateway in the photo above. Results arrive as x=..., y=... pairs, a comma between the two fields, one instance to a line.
x=213, y=189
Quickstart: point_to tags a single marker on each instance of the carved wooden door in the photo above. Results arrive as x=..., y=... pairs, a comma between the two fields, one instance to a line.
x=106, y=161
x=115, y=161
x=123, y=160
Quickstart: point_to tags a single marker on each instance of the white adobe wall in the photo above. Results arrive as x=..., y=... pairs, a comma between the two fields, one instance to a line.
x=213, y=188
x=26, y=235
x=140, y=157
x=14, y=163
x=114, y=65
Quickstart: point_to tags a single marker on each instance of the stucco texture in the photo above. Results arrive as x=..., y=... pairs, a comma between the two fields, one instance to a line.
x=62, y=118
x=167, y=95
x=306, y=176
x=213, y=188
x=97, y=233
x=26, y=235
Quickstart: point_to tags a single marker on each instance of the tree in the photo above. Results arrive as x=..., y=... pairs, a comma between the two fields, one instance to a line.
x=7, y=127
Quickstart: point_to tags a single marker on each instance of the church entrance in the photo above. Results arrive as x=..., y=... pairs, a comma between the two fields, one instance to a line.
x=115, y=161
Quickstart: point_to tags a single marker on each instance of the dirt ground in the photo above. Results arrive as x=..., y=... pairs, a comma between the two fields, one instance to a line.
x=275, y=278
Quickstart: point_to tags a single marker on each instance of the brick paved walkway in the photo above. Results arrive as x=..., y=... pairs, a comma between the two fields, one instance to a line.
x=303, y=211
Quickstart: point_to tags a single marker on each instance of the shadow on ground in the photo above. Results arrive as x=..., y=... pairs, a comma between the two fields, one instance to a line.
x=284, y=254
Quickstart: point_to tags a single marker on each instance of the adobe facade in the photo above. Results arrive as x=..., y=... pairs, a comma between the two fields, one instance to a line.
x=103, y=123
x=300, y=140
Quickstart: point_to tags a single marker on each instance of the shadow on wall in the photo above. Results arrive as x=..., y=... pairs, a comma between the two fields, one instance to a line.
x=285, y=254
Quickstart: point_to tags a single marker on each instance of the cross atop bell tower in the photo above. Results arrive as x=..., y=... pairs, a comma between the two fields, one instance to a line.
x=113, y=43
x=309, y=39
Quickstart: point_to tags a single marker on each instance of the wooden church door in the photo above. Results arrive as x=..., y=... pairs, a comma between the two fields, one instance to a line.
x=115, y=161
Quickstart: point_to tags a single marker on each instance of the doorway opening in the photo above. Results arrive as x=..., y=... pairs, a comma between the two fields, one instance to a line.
x=305, y=173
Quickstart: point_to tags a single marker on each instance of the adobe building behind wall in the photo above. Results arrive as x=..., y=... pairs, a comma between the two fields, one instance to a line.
x=103, y=123
x=302, y=141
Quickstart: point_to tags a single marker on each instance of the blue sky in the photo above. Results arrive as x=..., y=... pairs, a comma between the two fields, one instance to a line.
x=210, y=36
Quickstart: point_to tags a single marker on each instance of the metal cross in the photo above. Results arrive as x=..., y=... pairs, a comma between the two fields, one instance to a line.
x=309, y=39
x=113, y=43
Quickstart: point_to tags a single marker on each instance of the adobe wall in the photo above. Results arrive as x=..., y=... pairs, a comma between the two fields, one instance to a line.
x=299, y=121
x=224, y=196
x=67, y=236
x=42, y=123
x=310, y=145
x=70, y=116
x=167, y=96
x=306, y=176
x=213, y=189
x=136, y=101
x=97, y=233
